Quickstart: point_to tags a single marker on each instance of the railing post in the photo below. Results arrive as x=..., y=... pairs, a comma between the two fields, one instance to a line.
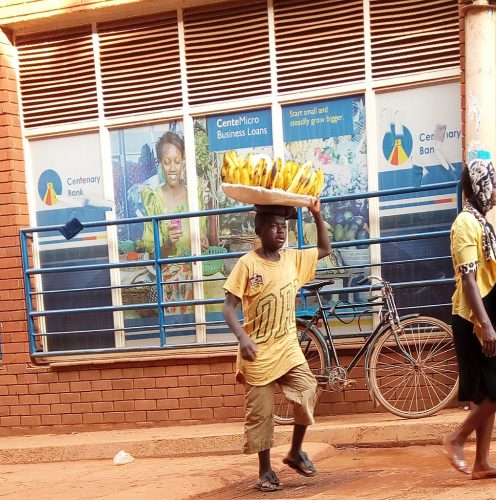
x=27, y=293
x=158, y=283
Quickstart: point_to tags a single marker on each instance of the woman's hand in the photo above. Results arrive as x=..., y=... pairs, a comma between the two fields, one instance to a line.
x=488, y=340
x=204, y=243
x=174, y=235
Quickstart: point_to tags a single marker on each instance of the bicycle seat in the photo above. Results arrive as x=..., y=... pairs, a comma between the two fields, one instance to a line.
x=317, y=285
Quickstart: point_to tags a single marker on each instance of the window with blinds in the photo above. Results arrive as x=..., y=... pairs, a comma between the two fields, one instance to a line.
x=318, y=43
x=57, y=77
x=140, y=65
x=227, y=51
x=409, y=36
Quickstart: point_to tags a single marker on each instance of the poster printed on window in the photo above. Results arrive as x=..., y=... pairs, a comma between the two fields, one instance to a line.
x=419, y=132
x=331, y=134
x=69, y=184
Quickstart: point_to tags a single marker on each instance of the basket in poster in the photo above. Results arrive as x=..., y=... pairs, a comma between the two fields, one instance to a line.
x=266, y=173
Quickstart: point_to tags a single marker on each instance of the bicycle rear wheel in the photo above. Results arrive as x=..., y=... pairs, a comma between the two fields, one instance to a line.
x=414, y=373
x=316, y=356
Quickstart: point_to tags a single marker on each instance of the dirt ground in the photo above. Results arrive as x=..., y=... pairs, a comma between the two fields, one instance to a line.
x=415, y=472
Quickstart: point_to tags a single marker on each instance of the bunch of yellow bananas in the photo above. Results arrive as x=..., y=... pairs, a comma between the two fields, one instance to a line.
x=290, y=176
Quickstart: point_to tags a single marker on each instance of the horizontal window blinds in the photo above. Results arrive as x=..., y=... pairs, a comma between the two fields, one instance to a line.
x=57, y=77
x=227, y=51
x=409, y=36
x=140, y=65
x=318, y=43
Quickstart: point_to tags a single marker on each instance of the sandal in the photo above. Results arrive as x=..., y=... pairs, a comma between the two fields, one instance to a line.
x=305, y=466
x=269, y=482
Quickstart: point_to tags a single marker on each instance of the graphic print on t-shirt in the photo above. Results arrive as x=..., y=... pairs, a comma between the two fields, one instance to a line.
x=273, y=314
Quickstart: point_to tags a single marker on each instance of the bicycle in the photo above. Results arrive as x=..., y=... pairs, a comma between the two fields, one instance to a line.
x=410, y=361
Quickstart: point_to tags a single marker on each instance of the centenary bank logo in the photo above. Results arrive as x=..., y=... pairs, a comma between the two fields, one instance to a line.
x=397, y=145
x=49, y=187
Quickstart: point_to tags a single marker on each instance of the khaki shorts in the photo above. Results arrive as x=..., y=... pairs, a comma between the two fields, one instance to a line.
x=298, y=385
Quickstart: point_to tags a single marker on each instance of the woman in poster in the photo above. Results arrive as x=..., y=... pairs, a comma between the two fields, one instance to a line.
x=168, y=198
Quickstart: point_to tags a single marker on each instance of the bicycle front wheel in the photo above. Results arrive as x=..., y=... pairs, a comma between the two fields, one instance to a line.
x=312, y=346
x=413, y=373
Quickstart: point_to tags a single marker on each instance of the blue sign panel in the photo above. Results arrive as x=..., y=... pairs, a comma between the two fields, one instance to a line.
x=239, y=130
x=318, y=120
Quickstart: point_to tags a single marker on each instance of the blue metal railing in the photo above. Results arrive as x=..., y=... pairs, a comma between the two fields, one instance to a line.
x=164, y=327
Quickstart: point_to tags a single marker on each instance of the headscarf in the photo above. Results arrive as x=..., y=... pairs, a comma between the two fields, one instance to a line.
x=483, y=181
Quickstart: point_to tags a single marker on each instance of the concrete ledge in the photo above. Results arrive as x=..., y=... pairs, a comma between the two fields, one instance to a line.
x=375, y=429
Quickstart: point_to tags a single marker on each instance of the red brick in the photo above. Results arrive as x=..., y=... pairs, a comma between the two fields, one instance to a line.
x=357, y=395
x=40, y=409
x=200, y=391
x=160, y=415
x=26, y=378
x=190, y=403
x=201, y=369
x=212, y=380
x=111, y=373
x=69, y=376
x=93, y=418
x=167, y=404
x=72, y=419
x=11, y=421
x=60, y=387
x=155, y=393
x=50, y=377
x=134, y=394
x=144, y=383
x=135, y=416
x=212, y=402
x=133, y=372
x=146, y=404
x=80, y=386
x=20, y=410
x=122, y=384
x=81, y=407
x=179, y=392
x=222, y=368
x=117, y=395
x=69, y=397
x=90, y=375
x=176, y=370
x=223, y=390
x=167, y=382
x=49, y=398
x=60, y=408
x=30, y=420
x=189, y=381
x=154, y=371
x=30, y=399
x=91, y=396
x=124, y=406
x=114, y=417
x=229, y=378
x=18, y=389
x=234, y=400
x=101, y=385
x=103, y=406
x=223, y=413
x=202, y=413
x=51, y=419
x=179, y=414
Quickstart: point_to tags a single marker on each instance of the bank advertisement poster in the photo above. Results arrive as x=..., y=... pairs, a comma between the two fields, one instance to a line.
x=331, y=134
x=68, y=183
x=419, y=143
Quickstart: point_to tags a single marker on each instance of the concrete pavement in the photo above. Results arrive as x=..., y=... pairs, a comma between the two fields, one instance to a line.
x=367, y=430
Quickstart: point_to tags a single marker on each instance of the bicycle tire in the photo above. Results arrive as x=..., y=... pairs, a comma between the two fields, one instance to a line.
x=317, y=357
x=414, y=391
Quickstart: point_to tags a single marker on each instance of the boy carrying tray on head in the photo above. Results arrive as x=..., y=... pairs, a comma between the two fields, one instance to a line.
x=266, y=281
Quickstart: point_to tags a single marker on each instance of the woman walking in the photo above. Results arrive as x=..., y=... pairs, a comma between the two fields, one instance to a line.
x=473, y=250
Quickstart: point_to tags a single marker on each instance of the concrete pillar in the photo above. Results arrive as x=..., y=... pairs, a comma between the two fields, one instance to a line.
x=480, y=80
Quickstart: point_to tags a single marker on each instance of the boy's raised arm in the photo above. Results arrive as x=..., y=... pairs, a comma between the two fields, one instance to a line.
x=323, y=242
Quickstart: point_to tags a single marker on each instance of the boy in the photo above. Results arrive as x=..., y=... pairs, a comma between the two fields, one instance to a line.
x=266, y=281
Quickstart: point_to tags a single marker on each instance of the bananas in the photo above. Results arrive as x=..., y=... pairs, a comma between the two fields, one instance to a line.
x=290, y=176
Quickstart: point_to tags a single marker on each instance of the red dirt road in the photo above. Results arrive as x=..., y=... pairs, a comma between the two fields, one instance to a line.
x=416, y=472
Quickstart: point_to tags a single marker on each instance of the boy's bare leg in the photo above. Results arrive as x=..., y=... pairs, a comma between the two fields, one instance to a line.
x=483, y=435
x=296, y=458
x=264, y=463
x=296, y=442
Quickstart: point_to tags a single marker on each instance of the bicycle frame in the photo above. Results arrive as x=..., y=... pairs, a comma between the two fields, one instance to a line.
x=389, y=318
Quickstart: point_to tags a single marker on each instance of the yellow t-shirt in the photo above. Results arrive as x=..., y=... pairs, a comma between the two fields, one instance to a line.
x=466, y=248
x=268, y=293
